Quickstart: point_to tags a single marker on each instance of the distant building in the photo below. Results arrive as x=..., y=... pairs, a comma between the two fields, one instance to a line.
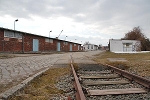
x=117, y=45
x=90, y=47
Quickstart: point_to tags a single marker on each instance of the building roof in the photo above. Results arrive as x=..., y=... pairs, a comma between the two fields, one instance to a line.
x=36, y=35
x=122, y=40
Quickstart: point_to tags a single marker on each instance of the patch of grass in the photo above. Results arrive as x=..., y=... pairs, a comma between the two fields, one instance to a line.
x=43, y=87
x=75, y=65
x=6, y=56
x=120, y=65
x=139, y=62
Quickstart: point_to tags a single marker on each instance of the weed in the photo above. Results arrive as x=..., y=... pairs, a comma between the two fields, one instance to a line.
x=139, y=62
x=75, y=65
x=43, y=87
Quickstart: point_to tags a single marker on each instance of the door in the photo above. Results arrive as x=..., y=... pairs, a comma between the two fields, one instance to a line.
x=78, y=47
x=70, y=47
x=58, y=46
x=35, y=45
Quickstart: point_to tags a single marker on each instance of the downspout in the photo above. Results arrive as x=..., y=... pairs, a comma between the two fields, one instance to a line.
x=22, y=43
x=3, y=45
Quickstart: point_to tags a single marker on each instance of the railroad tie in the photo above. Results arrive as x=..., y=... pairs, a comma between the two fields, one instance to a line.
x=115, y=91
x=90, y=83
x=104, y=72
x=100, y=77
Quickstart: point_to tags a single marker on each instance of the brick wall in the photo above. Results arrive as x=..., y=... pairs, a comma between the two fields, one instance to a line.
x=17, y=45
x=1, y=39
x=43, y=46
x=9, y=44
x=51, y=46
x=28, y=42
x=75, y=47
x=12, y=45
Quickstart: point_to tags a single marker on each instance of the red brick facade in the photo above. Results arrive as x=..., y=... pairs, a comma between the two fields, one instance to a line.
x=1, y=39
x=9, y=44
x=25, y=44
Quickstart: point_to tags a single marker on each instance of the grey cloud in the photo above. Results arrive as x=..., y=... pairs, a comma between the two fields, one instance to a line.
x=125, y=14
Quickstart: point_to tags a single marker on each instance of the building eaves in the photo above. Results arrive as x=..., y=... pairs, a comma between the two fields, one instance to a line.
x=36, y=35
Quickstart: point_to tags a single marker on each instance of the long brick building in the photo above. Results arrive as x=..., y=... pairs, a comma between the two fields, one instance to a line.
x=21, y=42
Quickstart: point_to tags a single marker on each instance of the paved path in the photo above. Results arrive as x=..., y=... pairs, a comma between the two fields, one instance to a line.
x=18, y=68
x=15, y=70
x=85, y=57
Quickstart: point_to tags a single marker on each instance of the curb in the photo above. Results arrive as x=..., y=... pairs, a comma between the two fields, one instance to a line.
x=14, y=90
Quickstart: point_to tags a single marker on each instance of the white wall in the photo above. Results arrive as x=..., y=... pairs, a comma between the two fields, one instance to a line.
x=116, y=45
x=95, y=47
x=91, y=47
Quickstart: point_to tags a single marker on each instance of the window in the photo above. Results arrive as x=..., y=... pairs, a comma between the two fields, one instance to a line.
x=48, y=40
x=127, y=44
x=78, y=47
x=18, y=35
x=11, y=34
x=65, y=43
x=74, y=44
x=8, y=34
x=51, y=40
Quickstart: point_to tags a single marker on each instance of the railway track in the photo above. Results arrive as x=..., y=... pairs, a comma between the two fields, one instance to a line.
x=105, y=82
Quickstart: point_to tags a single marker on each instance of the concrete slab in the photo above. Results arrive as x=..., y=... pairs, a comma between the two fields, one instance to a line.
x=117, y=59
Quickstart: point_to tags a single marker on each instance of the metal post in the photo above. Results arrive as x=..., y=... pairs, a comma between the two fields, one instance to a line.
x=59, y=34
x=49, y=40
x=66, y=43
x=22, y=43
x=49, y=33
x=14, y=23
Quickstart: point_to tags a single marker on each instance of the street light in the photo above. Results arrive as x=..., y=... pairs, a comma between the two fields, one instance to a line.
x=75, y=40
x=66, y=37
x=14, y=23
x=49, y=33
x=49, y=38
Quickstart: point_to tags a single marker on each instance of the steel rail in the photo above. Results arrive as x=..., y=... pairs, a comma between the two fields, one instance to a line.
x=79, y=92
x=132, y=77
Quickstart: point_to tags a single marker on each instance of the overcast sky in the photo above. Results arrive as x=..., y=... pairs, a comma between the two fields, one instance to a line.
x=95, y=21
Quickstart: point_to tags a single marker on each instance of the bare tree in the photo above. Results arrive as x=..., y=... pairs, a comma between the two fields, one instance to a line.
x=87, y=43
x=136, y=34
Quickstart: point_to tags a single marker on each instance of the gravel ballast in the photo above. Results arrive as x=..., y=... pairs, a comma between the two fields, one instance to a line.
x=81, y=71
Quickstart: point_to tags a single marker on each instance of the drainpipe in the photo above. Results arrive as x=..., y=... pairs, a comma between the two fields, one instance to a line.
x=3, y=45
x=22, y=43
